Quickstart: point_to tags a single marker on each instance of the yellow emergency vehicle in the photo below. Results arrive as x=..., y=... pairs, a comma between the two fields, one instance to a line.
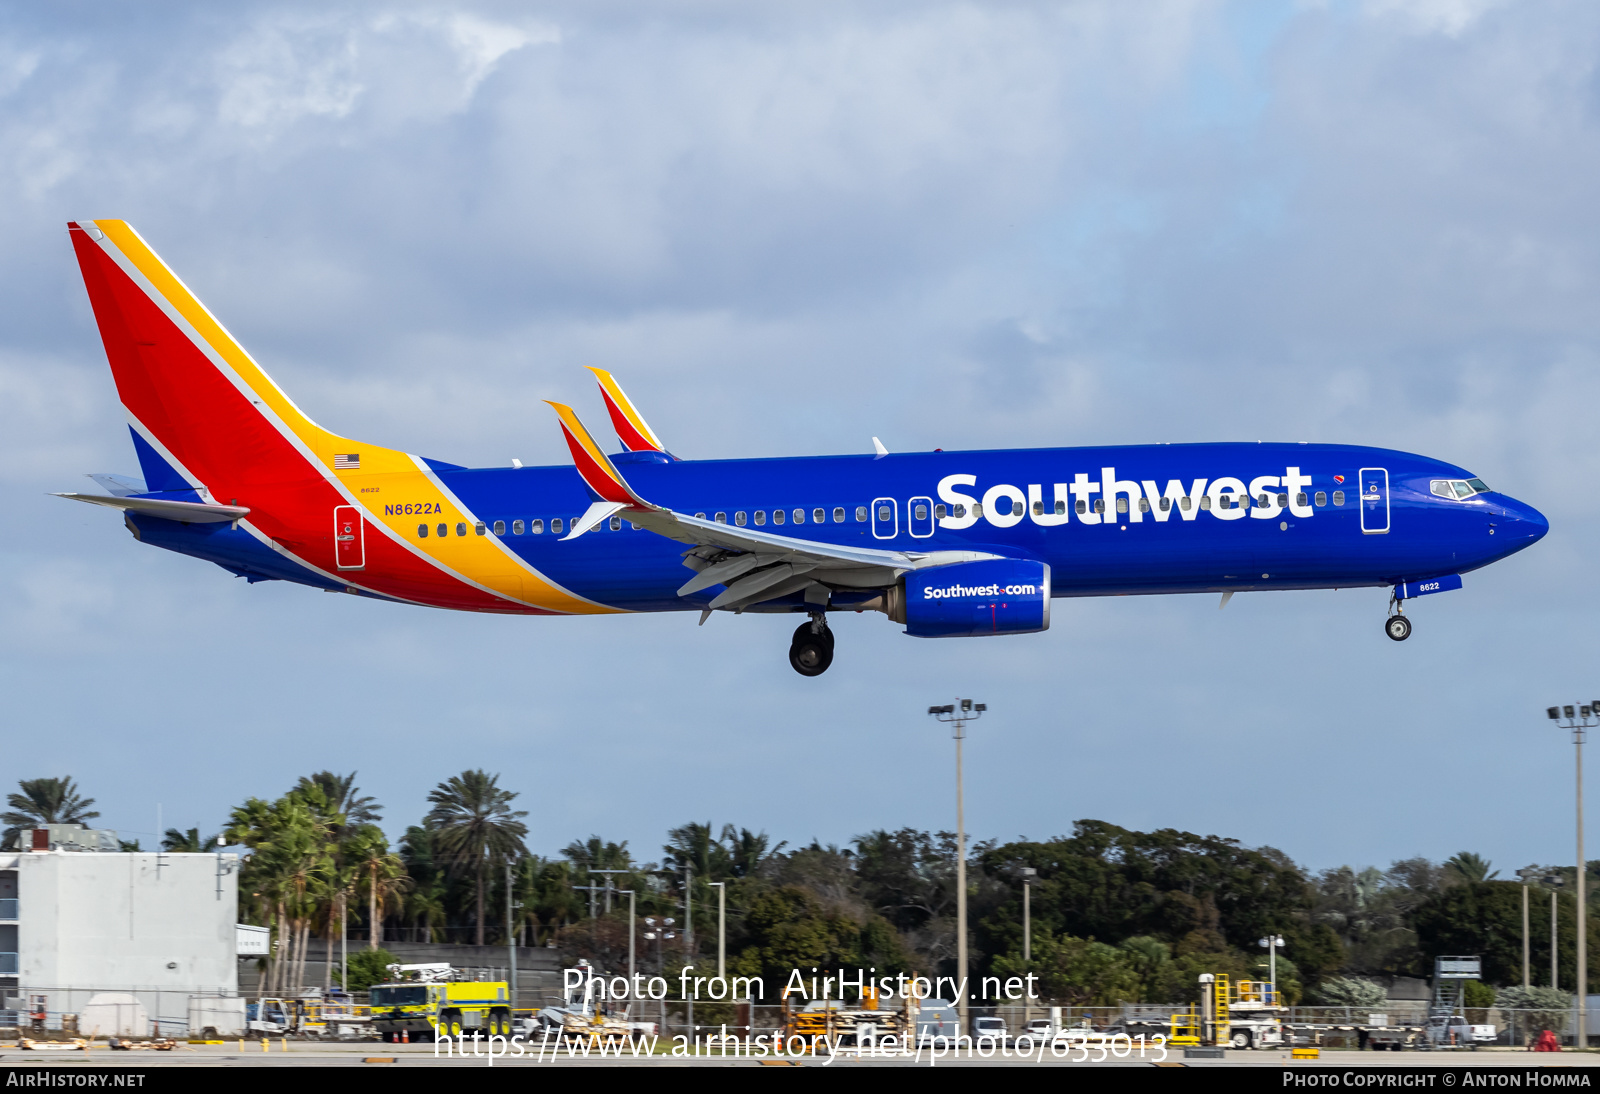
x=423, y=1002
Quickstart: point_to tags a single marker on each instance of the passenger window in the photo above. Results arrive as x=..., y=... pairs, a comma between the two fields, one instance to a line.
x=1122, y=505
x=1061, y=508
x=800, y=518
x=960, y=510
x=422, y=533
x=535, y=526
x=886, y=514
x=479, y=528
x=761, y=517
x=1038, y=508
x=442, y=530
x=499, y=527
x=699, y=516
x=722, y=518
x=1322, y=501
x=820, y=516
x=1283, y=500
x=861, y=514
x=1300, y=499
x=778, y=517
x=555, y=529
x=977, y=514
x=461, y=529
x=939, y=512
x=1186, y=503
x=1100, y=507
x=1083, y=507
x=1205, y=503
x=1166, y=504
x=740, y=517
x=922, y=514
x=516, y=527
x=1338, y=499
x=616, y=526
x=838, y=515
x=1144, y=505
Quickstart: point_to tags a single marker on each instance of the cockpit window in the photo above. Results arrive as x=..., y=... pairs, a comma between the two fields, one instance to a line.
x=1457, y=488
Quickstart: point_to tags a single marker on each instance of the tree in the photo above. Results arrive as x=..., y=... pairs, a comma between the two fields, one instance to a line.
x=343, y=796
x=1351, y=991
x=1468, y=867
x=378, y=870
x=369, y=967
x=1538, y=1008
x=1078, y=972
x=187, y=842
x=476, y=828
x=44, y=802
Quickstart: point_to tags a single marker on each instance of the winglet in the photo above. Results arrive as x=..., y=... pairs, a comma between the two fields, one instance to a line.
x=602, y=479
x=632, y=430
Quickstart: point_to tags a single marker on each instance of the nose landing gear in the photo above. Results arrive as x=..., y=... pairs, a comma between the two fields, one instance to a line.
x=811, y=648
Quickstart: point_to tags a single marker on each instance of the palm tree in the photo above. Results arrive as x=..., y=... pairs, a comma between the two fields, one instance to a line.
x=43, y=802
x=476, y=827
x=187, y=842
x=343, y=796
x=1468, y=866
x=381, y=873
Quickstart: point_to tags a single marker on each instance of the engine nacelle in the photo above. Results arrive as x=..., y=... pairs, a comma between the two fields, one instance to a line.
x=966, y=599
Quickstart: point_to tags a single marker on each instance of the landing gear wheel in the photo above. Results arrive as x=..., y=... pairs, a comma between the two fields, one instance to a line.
x=811, y=650
x=1398, y=628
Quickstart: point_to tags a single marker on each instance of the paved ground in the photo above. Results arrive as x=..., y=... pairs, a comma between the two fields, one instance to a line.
x=381, y=1056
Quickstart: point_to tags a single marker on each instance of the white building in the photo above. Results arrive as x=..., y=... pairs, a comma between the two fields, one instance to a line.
x=77, y=922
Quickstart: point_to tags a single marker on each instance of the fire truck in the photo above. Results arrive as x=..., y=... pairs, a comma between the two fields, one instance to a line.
x=423, y=1002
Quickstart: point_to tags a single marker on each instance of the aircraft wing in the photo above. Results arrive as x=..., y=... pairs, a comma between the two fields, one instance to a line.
x=754, y=565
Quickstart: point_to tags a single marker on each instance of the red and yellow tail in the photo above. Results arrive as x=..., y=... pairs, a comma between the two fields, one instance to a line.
x=207, y=418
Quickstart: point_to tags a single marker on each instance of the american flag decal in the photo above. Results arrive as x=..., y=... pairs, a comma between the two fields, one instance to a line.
x=350, y=462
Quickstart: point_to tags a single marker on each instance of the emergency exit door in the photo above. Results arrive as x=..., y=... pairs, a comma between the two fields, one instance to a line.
x=349, y=546
x=1374, y=501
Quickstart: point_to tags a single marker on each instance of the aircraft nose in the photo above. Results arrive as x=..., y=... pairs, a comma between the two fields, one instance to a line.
x=1524, y=522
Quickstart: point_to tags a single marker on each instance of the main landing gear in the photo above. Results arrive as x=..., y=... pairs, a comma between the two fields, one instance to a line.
x=811, y=648
x=1397, y=626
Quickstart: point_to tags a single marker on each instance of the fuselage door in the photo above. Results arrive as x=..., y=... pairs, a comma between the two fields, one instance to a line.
x=1374, y=501
x=349, y=548
x=885, y=518
x=919, y=517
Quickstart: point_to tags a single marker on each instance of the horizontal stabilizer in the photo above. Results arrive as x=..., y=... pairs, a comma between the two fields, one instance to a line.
x=189, y=512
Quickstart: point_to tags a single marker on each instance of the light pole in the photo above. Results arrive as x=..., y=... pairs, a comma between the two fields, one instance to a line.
x=958, y=715
x=632, y=963
x=722, y=928
x=1029, y=876
x=511, y=937
x=1529, y=875
x=1553, y=882
x=1271, y=944
x=1580, y=721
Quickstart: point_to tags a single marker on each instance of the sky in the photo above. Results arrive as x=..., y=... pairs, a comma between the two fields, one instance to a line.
x=788, y=228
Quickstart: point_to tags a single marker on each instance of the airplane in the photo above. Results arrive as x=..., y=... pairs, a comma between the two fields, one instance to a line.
x=944, y=543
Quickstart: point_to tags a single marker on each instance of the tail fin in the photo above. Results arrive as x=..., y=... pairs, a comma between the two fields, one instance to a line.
x=204, y=415
x=632, y=430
